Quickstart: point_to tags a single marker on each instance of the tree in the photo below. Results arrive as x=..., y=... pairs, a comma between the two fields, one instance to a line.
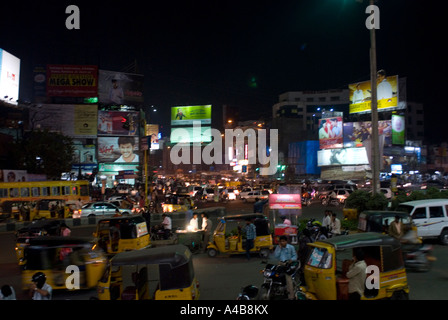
x=44, y=152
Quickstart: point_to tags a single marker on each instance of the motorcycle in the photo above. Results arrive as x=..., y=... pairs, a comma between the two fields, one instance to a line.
x=274, y=286
x=306, y=200
x=330, y=201
x=158, y=233
x=418, y=259
x=249, y=292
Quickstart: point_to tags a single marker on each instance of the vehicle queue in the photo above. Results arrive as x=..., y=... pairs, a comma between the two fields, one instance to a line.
x=40, y=254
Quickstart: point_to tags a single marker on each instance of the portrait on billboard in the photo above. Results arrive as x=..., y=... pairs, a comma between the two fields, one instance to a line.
x=119, y=88
x=360, y=93
x=185, y=115
x=122, y=149
x=330, y=133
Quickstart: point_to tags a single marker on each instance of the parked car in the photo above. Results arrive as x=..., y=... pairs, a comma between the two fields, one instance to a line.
x=102, y=208
x=210, y=193
x=245, y=191
x=260, y=194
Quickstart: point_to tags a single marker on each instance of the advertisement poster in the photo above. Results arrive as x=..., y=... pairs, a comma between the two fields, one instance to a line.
x=152, y=132
x=9, y=77
x=72, y=81
x=285, y=201
x=7, y=175
x=330, y=133
x=110, y=123
x=83, y=153
x=339, y=157
x=118, y=149
x=361, y=94
x=70, y=120
x=189, y=135
x=398, y=126
x=357, y=132
x=119, y=88
x=187, y=114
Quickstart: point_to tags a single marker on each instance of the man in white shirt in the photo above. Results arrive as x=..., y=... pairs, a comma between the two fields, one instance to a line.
x=194, y=224
x=166, y=223
x=384, y=88
x=39, y=289
x=358, y=95
x=335, y=225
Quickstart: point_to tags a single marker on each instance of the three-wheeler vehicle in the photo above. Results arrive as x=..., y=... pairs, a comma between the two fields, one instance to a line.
x=118, y=234
x=53, y=256
x=161, y=273
x=228, y=238
x=329, y=260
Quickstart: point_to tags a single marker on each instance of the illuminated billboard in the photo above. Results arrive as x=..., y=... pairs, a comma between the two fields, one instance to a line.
x=71, y=120
x=72, y=81
x=191, y=135
x=152, y=131
x=118, y=149
x=398, y=126
x=186, y=115
x=357, y=132
x=340, y=157
x=9, y=77
x=110, y=123
x=361, y=97
x=119, y=88
x=330, y=133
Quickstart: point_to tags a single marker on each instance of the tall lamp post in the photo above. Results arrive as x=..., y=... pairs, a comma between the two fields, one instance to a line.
x=375, y=162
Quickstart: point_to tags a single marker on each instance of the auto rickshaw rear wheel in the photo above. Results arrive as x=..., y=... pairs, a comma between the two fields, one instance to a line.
x=212, y=252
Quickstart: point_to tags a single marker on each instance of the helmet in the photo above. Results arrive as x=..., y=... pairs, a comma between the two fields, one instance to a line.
x=39, y=278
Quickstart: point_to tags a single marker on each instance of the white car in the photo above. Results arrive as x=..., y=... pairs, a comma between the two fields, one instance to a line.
x=430, y=216
x=260, y=194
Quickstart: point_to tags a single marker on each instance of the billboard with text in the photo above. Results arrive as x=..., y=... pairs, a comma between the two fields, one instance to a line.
x=361, y=94
x=9, y=77
x=72, y=81
x=185, y=115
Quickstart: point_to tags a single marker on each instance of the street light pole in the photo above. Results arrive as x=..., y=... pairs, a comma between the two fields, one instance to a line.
x=375, y=162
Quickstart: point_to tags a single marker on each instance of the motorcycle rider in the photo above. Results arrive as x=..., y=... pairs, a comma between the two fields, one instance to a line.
x=286, y=254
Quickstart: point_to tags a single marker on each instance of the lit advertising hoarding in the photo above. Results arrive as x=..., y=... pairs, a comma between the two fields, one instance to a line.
x=118, y=149
x=340, y=157
x=84, y=153
x=357, y=132
x=330, y=133
x=119, y=88
x=9, y=77
x=72, y=81
x=285, y=201
x=152, y=132
x=185, y=115
x=70, y=120
x=110, y=123
x=387, y=94
x=191, y=135
x=398, y=126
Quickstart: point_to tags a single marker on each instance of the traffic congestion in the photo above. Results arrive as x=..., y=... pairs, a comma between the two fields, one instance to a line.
x=119, y=248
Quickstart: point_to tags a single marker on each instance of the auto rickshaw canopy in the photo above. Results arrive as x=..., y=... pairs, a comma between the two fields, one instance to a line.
x=174, y=255
x=366, y=239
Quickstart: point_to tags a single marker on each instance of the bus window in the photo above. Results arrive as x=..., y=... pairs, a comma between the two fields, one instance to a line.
x=13, y=192
x=3, y=193
x=84, y=190
x=24, y=192
x=35, y=191
x=55, y=191
x=45, y=191
x=66, y=190
x=74, y=190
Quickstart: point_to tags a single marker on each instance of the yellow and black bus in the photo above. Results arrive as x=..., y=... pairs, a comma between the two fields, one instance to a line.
x=20, y=199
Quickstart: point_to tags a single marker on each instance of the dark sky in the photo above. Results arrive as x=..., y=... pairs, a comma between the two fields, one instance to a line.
x=212, y=52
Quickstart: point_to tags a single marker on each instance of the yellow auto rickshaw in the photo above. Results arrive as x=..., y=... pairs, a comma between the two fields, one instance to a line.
x=161, y=273
x=35, y=229
x=50, y=209
x=57, y=257
x=328, y=262
x=118, y=234
x=228, y=238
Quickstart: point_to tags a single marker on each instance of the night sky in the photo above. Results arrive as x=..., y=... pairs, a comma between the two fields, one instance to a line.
x=240, y=53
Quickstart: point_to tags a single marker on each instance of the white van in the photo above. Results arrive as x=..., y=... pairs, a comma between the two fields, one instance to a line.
x=430, y=216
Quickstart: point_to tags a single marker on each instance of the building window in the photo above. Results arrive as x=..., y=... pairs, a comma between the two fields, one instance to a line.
x=334, y=98
x=322, y=99
x=310, y=99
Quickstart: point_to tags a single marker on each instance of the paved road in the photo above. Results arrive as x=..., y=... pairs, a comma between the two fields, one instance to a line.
x=221, y=278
